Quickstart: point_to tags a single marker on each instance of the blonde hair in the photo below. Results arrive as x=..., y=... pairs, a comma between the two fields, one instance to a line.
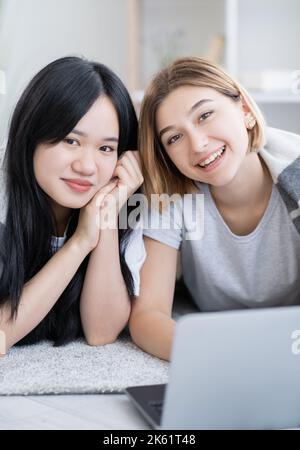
x=160, y=174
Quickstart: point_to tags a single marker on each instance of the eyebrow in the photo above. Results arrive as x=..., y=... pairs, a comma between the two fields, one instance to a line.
x=81, y=133
x=195, y=106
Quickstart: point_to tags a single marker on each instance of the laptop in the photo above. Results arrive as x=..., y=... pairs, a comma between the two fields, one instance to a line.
x=229, y=370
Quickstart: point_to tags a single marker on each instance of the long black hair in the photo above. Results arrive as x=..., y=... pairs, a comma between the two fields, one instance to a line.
x=48, y=110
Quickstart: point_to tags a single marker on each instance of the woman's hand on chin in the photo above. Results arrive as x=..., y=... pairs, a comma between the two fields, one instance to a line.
x=129, y=178
x=89, y=223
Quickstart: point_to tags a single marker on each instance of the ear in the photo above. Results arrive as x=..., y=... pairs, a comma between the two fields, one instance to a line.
x=245, y=106
x=249, y=119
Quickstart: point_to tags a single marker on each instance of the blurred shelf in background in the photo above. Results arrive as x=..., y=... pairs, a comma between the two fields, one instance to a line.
x=256, y=41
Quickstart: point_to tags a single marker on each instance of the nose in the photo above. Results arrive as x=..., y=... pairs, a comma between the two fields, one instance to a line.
x=198, y=141
x=84, y=163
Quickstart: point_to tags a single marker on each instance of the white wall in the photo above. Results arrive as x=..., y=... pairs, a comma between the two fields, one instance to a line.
x=177, y=28
x=35, y=32
x=269, y=35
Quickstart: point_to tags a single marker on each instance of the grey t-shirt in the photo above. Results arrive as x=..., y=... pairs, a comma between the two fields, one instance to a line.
x=225, y=271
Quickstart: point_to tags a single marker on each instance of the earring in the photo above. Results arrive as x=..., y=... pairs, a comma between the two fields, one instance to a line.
x=250, y=121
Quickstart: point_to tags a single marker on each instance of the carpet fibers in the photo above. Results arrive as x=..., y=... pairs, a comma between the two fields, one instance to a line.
x=78, y=368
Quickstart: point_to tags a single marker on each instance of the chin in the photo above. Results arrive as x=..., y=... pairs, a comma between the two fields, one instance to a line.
x=222, y=180
x=73, y=204
x=77, y=205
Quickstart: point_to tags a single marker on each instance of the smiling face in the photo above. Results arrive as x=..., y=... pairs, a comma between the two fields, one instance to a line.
x=72, y=171
x=204, y=133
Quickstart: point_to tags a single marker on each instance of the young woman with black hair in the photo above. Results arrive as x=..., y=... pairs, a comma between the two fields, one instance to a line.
x=70, y=158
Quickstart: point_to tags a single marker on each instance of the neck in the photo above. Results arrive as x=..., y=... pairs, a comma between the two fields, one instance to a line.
x=62, y=215
x=251, y=185
x=60, y=229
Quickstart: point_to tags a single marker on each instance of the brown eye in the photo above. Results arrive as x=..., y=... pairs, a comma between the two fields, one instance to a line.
x=205, y=116
x=174, y=139
x=71, y=141
x=107, y=149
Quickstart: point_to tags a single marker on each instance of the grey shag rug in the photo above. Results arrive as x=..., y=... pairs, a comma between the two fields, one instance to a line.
x=78, y=368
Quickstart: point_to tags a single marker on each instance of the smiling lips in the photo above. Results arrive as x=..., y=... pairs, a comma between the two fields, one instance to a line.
x=211, y=160
x=79, y=185
x=79, y=181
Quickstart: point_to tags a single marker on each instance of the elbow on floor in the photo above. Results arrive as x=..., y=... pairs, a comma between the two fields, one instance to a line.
x=98, y=341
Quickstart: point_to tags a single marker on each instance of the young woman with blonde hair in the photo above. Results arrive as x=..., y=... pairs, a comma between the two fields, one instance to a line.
x=201, y=133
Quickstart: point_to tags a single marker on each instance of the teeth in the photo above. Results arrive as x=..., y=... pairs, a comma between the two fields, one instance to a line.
x=212, y=157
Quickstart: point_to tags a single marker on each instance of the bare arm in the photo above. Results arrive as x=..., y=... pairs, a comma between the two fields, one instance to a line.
x=42, y=291
x=104, y=302
x=151, y=325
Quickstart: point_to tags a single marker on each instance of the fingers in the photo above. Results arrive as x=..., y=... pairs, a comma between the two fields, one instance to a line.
x=104, y=191
x=134, y=158
x=125, y=176
x=131, y=163
x=107, y=188
x=124, y=168
x=128, y=178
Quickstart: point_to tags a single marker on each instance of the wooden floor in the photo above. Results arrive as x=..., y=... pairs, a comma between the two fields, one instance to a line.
x=69, y=412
